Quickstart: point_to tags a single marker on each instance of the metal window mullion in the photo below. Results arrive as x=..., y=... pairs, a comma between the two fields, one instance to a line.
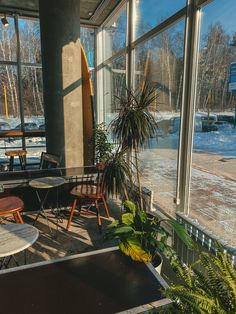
x=129, y=31
x=2, y=62
x=121, y=52
x=31, y=65
x=187, y=109
x=95, y=102
x=19, y=75
x=203, y=2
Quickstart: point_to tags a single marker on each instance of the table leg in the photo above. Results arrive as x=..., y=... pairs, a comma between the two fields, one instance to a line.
x=41, y=210
x=11, y=163
x=5, y=263
x=25, y=257
x=22, y=162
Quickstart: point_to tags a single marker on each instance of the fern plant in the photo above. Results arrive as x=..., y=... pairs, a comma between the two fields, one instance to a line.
x=209, y=286
x=141, y=237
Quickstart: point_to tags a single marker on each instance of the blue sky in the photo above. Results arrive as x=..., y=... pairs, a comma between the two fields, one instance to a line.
x=223, y=11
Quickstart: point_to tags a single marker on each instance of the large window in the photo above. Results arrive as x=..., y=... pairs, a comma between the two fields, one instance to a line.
x=213, y=188
x=160, y=61
x=21, y=88
x=190, y=165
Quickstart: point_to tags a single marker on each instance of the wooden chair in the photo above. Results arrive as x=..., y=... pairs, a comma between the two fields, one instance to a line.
x=49, y=161
x=89, y=192
x=12, y=205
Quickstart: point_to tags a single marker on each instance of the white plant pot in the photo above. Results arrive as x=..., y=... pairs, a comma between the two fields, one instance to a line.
x=157, y=263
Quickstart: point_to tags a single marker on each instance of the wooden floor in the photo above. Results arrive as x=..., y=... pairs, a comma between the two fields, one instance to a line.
x=83, y=235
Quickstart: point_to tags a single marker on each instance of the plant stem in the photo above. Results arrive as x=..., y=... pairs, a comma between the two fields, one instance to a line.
x=138, y=176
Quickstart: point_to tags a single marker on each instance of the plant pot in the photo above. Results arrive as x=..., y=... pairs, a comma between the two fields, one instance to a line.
x=157, y=262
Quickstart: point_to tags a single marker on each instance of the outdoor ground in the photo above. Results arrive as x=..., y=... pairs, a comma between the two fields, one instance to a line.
x=213, y=188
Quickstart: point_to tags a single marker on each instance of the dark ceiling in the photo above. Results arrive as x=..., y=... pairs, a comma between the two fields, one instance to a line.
x=93, y=11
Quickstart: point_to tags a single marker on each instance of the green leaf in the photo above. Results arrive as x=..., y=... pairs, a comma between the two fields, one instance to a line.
x=123, y=229
x=132, y=248
x=142, y=216
x=181, y=233
x=129, y=207
x=115, y=223
x=127, y=219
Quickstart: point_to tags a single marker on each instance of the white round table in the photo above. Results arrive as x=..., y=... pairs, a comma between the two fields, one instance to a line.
x=15, y=238
x=46, y=184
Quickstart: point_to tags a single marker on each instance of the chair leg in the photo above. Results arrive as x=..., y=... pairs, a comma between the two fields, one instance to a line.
x=105, y=205
x=16, y=218
x=19, y=217
x=98, y=216
x=71, y=214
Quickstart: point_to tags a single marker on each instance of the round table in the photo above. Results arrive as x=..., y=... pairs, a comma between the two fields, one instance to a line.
x=17, y=153
x=15, y=238
x=46, y=183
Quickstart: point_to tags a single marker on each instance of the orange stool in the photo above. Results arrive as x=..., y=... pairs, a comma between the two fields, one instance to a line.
x=12, y=205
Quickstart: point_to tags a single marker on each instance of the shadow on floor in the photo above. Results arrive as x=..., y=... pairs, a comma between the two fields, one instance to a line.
x=83, y=235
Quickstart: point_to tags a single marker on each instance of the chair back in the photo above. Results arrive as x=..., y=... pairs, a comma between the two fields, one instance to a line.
x=91, y=184
x=49, y=161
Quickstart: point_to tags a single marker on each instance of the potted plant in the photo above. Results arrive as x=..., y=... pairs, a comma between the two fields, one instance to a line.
x=208, y=286
x=134, y=124
x=113, y=161
x=103, y=148
x=142, y=237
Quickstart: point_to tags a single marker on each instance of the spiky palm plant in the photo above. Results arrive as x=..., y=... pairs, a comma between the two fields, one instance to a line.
x=135, y=125
x=117, y=173
x=209, y=287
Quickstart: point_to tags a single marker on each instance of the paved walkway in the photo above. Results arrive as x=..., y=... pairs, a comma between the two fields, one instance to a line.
x=213, y=188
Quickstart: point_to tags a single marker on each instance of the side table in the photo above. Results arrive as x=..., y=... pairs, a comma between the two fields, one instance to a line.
x=45, y=184
x=15, y=238
x=14, y=153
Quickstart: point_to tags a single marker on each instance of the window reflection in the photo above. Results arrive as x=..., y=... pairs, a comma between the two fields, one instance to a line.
x=213, y=187
x=114, y=84
x=8, y=45
x=150, y=13
x=115, y=34
x=160, y=60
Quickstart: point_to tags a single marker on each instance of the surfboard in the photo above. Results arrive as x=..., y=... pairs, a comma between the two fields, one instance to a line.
x=88, y=111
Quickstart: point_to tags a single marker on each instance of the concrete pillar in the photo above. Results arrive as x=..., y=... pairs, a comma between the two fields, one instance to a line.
x=61, y=61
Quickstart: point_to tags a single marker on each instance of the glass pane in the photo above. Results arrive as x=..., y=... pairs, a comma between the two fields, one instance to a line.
x=34, y=146
x=88, y=43
x=160, y=61
x=114, y=83
x=213, y=183
x=33, y=97
x=30, y=46
x=8, y=45
x=115, y=34
x=9, y=98
x=150, y=13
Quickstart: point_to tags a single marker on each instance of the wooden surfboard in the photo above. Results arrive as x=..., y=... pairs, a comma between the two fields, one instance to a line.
x=88, y=111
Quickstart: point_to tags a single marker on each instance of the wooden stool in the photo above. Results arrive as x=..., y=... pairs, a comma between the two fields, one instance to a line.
x=12, y=205
x=17, y=153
